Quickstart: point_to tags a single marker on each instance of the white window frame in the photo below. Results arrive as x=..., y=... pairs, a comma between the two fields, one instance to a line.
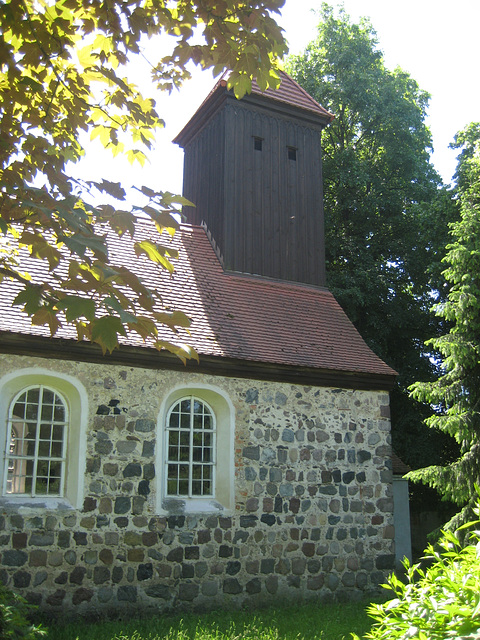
x=190, y=463
x=75, y=397
x=13, y=460
x=223, y=499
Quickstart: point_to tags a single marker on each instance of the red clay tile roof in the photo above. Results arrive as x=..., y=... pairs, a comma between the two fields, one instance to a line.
x=234, y=316
x=292, y=93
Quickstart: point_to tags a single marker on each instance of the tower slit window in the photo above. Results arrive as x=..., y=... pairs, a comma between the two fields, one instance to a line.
x=292, y=153
x=257, y=143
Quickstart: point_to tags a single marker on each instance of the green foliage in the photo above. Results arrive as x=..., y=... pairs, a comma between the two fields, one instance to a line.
x=386, y=212
x=14, y=618
x=437, y=603
x=302, y=622
x=63, y=66
x=455, y=396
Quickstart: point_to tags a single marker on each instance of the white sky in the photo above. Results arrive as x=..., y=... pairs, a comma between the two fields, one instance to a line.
x=436, y=41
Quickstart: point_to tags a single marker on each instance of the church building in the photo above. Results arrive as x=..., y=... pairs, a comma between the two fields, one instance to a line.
x=132, y=482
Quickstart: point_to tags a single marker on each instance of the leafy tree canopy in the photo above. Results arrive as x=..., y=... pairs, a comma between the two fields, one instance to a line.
x=386, y=212
x=455, y=396
x=62, y=72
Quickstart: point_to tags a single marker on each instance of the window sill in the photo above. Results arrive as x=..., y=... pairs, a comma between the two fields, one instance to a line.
x=29, y=504
x=192, y=506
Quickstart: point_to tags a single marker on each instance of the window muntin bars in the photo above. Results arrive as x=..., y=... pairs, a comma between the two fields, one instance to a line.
x=35, y=454
x=191, y=449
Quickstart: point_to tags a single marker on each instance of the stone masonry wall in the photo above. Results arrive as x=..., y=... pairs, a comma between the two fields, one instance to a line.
x=313, y=514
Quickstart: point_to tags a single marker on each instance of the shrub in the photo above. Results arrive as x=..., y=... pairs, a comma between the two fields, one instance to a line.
x=14, y=617
x=436, y=603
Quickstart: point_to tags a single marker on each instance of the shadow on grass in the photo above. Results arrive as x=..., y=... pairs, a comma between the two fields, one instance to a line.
x=302, y=622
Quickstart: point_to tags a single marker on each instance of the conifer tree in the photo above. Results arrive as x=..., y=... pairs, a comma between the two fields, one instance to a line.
x=455, y=396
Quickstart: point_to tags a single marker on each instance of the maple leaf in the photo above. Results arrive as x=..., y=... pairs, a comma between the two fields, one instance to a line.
x=105, y=332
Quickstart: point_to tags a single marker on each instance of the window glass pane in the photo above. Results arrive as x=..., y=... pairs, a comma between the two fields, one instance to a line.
x=20, y=407
x=44, y=448
x=59, y=412
x=45, y=431
x=185, y=406
x=197, y=440
x=172, y=471
x=207, y=471
x=184, y=454
x=171, y=487
x=197, y=471
x=197, y=487
x=208, y=422
x=185, y=438
x=185, y=421
x=183, y=471
x=57, y=432
x=48, y=397
x=30, y=430
x=57, y=449
x=47, y=412
x=198, y=407
x=197, y=454
x=174, y=422
x=16, y=438
x=33, y=395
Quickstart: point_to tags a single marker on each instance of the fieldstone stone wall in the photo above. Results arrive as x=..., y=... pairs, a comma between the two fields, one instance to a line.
x=313, y=514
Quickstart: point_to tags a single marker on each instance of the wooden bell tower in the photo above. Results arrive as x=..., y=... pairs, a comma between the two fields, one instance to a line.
x=253, y=168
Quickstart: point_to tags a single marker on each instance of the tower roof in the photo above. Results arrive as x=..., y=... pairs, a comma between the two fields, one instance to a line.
x=288, y=95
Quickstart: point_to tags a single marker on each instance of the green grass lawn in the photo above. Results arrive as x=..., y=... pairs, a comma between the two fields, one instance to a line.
x=303, y=622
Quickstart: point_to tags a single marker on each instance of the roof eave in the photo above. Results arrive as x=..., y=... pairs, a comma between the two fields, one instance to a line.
x=203, y=114
x=273, y=106
x=149, y=358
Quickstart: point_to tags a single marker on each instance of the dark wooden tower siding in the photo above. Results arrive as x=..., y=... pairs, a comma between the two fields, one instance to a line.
x=253, y=168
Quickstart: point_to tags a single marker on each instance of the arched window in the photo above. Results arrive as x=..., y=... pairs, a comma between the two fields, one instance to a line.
x=196, y=451
x=36, y=445
x=190, y=463
x=43, y=424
